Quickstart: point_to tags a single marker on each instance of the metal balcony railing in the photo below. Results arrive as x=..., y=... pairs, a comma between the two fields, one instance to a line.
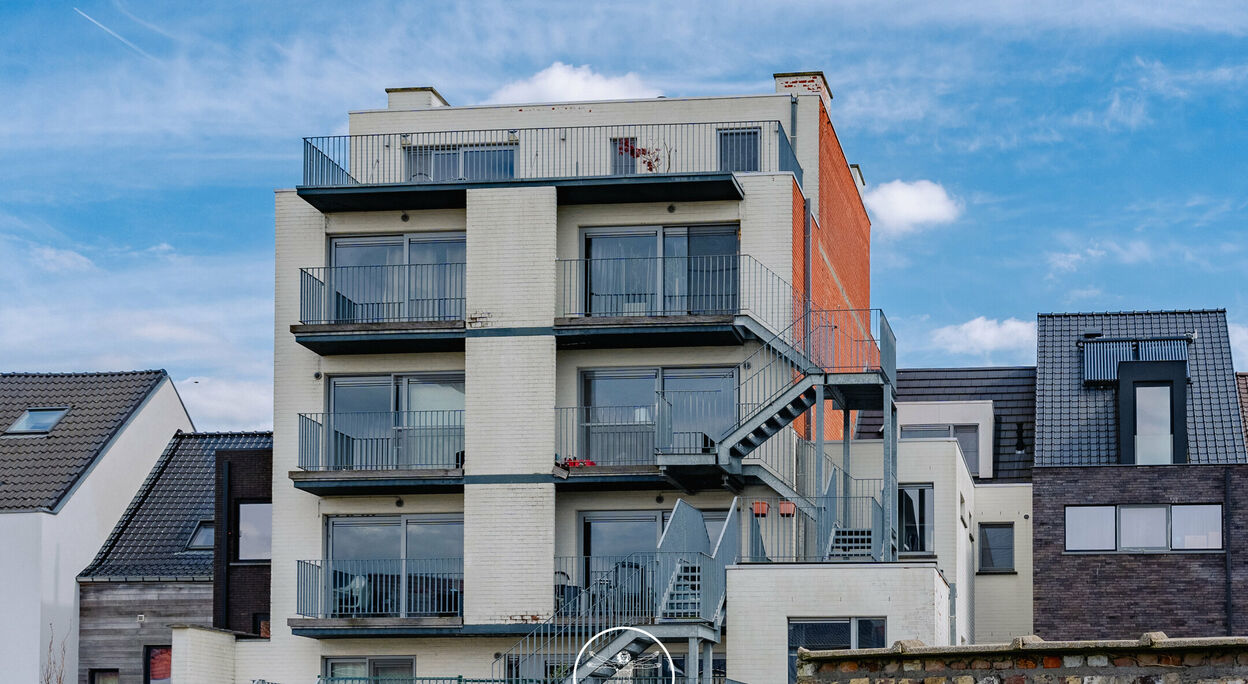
x=382, y=440
x=724, y=285
x=679, y=422
x=813, y=529
x=475, y=156
x=403, y=588
x=400, y=679
x=381, y=294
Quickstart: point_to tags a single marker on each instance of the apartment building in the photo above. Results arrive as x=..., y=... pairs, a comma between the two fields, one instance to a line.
x=1140, y=459
x=543, y=370
x=74, y=448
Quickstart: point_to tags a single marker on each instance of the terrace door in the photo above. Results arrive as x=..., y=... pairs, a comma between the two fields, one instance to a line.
x=435, y=275
x=621, y=277
x=430, y=421
x=367, y=280
x=361, y=423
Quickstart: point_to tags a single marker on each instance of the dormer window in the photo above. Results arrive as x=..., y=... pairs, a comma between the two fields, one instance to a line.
x=37, y=421
x=1152, y=408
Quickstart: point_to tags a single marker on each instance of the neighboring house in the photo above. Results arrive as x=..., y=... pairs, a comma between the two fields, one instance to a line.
x=74, y=448
x=157, y=567
x=538, y=367
x=1242, y=380
x=1139, y=473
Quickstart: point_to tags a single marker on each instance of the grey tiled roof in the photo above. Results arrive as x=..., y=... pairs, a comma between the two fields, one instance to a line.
x=1077, y=425
x=149, y=542
x=37, y=471
x=1012, y=390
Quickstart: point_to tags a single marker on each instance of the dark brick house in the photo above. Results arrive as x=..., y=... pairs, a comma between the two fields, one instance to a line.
x=166, y=561
x=1140, y=477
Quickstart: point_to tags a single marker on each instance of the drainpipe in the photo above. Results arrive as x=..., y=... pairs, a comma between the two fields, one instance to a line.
x=1226, y=549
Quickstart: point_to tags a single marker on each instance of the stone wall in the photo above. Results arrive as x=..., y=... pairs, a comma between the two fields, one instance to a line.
x=1152, y=659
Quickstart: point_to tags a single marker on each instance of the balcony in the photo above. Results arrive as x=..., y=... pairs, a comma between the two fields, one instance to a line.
x=816, y=529
x=586, y=164
x=383, y=594
x=388, y=452
x=381, y=309
x=670, y=301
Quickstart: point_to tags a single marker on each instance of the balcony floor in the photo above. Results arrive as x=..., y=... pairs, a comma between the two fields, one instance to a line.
x=366, y=482
x=690, y=187
x=381, y=338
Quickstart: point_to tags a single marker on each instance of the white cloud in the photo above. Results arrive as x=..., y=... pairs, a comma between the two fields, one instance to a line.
x=1239, y=345
x=59, y=260
x=227, y=403
x=208, y=318
x=899, y=207
x=984, y=337
x=561, y=82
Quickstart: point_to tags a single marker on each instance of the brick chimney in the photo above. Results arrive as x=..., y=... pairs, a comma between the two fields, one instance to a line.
x=423, y=97
x=805, y=83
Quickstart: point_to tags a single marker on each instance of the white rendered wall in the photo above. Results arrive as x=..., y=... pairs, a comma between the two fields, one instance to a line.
x=1003, y=603
x=913, y=598
x=58, y=546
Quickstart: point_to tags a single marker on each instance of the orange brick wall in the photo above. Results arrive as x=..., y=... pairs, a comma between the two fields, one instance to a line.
x=840, y=252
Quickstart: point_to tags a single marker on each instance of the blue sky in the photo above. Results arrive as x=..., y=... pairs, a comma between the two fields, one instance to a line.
x=1021, y=156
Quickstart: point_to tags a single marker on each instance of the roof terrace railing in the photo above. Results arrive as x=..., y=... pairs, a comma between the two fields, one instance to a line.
x=569, y=152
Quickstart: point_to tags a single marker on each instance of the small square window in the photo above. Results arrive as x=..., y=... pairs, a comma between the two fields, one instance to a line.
x=104, y=677
x=1142, y=527
x=996, y=547
x=203, y=537
x=1091, y=528
x=37, y=421
x=1196, y=527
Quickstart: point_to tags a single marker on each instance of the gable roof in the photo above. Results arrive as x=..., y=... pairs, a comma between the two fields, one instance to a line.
x=149, y=542
x=1078, y=425
x=37, y=471
x=1012, y=390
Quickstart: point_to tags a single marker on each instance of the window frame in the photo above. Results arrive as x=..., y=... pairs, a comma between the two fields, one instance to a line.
x=400, y=520
x=236, y=555
x=994, y=570
x=368, y=661
x=853, y=623
x=929, y=539
x=14, y=430
x=202, y=524
x=94, y=673
x=1169, y=548
x=147, y=659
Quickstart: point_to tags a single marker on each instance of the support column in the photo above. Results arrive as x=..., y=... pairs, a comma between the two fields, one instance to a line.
x=818, y=439
x=708, y=662
x=889, y=496
x=691, y=661
x=846, y=478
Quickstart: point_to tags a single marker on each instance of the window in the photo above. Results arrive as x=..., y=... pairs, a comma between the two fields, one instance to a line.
x=34, y=421
x=396, y=566
x=738, y=149
x=446, y=163
x=350, y=670
x=413, y=277
x=829, y=634
x=1154, y=438
x=104, y=677
x=967, y=436
x=996, y=547
x=1090, y=528
x=157, y=665
x=1144, y=528
x=1196, y=527
x=401, y=421
x=255, y=531
x=661, y=270
x=624, y=154
x=260, y=624
x=916, y=515
x=202, y=538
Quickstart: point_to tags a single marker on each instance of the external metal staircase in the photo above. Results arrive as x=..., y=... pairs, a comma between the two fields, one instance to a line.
x=677, y=593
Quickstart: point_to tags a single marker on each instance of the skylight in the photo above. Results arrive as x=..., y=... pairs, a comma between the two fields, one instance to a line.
x=35, y=421
x=202, y=538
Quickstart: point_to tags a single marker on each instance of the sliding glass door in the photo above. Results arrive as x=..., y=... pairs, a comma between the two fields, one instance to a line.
x=401, y=566
x=396, y=422
x=668, y=270
x=413, y=277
